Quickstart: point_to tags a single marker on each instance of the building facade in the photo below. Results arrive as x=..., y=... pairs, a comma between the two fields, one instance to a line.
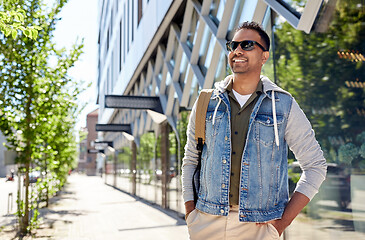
x=7, y=159
x=173, y=49
x=81, y=165
x=87, y=159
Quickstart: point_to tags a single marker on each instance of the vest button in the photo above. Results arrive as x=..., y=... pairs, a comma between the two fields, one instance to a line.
x=224, y=161
x=223, y=185
x=222, y=211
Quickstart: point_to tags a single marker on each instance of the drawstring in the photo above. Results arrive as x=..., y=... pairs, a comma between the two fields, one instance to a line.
x=216, y=108
x=275, y=121
x=273, y=113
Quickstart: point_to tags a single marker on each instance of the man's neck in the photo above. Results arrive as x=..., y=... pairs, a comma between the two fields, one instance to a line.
x=245, y=84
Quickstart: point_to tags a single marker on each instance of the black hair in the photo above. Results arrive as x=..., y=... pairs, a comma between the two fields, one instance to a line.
x=256, y=27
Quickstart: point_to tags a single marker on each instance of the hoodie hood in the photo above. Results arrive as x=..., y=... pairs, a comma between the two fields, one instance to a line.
x=267, y=85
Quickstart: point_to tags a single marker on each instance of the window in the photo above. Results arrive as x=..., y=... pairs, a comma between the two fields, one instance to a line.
x=139, y=10
x=120, y=45
x=132, y=20
x=124, y=34
x=111, y=21
x=107, y=41
x=128, y=23
x=325, y=72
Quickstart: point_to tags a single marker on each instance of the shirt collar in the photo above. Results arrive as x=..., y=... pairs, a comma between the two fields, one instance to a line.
x=230, y=85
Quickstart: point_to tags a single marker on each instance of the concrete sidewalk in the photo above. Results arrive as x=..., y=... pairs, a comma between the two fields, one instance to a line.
x=88, y=209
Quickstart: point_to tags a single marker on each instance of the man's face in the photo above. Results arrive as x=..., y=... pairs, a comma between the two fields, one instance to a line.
x=242, y=61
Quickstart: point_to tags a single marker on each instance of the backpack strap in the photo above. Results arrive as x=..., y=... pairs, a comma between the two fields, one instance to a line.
x=201, y=113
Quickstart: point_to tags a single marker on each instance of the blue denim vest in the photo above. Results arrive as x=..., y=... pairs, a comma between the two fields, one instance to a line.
x=264, y=174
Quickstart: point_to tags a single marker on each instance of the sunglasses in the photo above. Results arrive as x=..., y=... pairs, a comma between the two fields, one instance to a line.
x=246, y=45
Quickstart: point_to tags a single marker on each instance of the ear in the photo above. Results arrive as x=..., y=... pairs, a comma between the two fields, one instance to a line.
x=265, y=57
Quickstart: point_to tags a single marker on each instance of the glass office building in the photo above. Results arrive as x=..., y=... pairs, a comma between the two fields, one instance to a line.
x=173, y=49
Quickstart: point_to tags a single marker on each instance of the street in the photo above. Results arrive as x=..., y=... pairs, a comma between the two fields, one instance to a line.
x=89, y=209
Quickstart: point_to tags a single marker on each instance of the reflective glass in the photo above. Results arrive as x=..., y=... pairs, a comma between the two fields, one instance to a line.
x=222, y=68
x=295, y=5
x=145, y=173
x=194, y=91
x=206, y=50
x=183, y=71
x=194, y=25
x=123, y=169
x=325, y=72
x=216, y=11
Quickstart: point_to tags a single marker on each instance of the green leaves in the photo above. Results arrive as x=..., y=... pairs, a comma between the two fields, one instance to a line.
x=11, y=22
x=320, y=71
x=38, y=100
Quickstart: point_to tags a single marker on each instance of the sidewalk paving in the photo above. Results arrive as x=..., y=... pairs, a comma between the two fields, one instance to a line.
x=88, y=209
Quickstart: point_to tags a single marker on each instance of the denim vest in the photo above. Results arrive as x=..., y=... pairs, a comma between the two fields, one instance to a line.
x=264, y=174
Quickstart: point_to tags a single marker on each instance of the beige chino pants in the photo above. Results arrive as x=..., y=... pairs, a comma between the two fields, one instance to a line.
x=203, y=226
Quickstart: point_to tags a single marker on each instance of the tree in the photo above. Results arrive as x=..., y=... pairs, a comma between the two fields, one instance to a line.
x=37, y=99
x=146, y=151
x=12, y=20
x=182, y=127
x=323, y=71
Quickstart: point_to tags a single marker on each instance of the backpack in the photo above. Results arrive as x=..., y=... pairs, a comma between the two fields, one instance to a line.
x=201, y=112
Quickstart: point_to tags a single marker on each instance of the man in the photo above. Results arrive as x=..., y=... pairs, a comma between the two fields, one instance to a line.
x=250, y=123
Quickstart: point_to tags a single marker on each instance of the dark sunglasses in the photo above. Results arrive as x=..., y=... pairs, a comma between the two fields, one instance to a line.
x=246, y=45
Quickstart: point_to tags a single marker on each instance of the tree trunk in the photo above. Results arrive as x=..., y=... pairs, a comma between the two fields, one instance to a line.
x=24, y=221
x=46, y=182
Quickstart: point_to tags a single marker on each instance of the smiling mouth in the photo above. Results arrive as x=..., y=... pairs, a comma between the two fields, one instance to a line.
x=239, y=60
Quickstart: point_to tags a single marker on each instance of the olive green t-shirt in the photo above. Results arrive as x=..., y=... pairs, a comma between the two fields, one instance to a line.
x=239, y=126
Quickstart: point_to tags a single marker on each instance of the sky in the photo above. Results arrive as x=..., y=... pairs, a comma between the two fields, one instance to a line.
x=79, y=21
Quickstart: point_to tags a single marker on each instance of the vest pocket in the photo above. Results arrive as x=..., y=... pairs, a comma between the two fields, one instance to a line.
x=212, y=130
x=264, y=128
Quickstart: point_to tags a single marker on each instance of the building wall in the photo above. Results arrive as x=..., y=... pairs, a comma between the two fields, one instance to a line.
x=87, y=161
x=91, y=121
x=3, y=168
x=317, y=56
x=82, y=152
x=123, y=40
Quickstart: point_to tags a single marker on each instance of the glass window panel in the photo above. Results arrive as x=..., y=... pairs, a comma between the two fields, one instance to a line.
x=222, y=68
x=294, y=5
x=206, y=50
x=168, y=81
x=174, y=52
x=145, y=166
x=216, y=10
x=193, y=29
x=325, y=72
x=123, y=168
x=183, y=71
x=173, y=181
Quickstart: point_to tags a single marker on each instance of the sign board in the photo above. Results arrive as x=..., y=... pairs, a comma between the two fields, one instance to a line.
x=100, y=145
x=133, y=102
x=113, y=128
x=94, y=151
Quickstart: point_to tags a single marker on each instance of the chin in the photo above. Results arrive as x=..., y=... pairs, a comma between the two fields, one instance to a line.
x=239, y=71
